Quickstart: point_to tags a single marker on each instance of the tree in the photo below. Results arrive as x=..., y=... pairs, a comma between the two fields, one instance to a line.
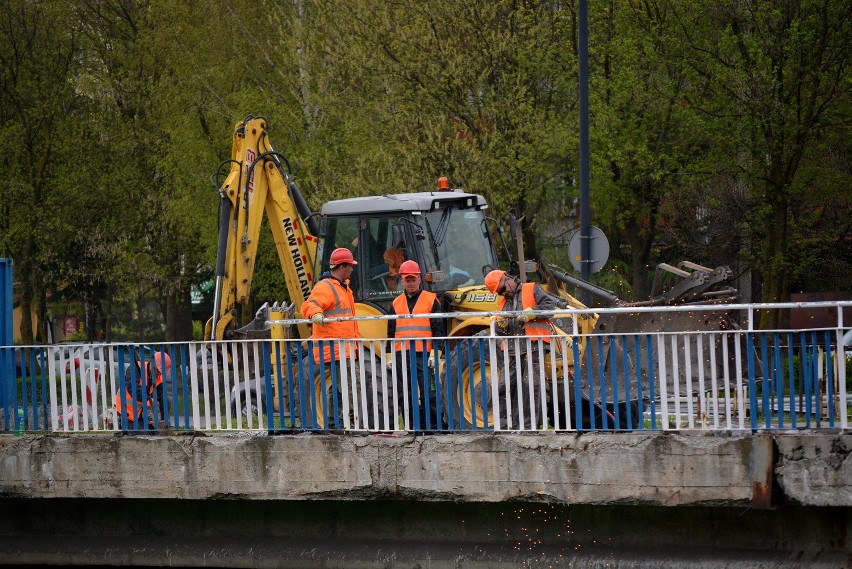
x=480, y=92
x=129, y=63
x=719, y=131
x=39, y=132
x=779, y=74
x=646, y=141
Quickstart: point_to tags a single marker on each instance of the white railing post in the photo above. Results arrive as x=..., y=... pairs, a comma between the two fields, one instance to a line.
x=702, y=396
x=687, y=365
x=496, y=417
x=738, y=369
x=676, y=381
x=664, y=400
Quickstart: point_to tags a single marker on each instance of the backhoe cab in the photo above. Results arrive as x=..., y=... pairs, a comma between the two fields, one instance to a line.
x=444, y=231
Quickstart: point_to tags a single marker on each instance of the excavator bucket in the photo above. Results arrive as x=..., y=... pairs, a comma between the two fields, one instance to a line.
x=619, y=340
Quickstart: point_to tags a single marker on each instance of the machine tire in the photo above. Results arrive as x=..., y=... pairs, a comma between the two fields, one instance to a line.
x=464, y=388
x=250, y=406
x=248, y=403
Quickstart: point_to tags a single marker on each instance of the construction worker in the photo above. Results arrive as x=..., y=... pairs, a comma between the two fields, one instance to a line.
x=393, y=257
x=416, y=352
x=144, y=395
x=131, y=404
x=385, y=276
x=330, y=299
x=524, y=298
x=162, y=367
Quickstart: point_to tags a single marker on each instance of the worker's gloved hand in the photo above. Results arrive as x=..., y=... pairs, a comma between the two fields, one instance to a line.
x=501, y=322
x=391, y=363
x=526, y=316
x=562, y=304
x=431, y=362
x=318, y=318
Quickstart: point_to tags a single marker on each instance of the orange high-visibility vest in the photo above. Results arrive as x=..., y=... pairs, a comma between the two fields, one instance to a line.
x=414, y=327
x=128, y=409
x=158, y=376
x=533, y=328
x=145, y=376
x=329, y=292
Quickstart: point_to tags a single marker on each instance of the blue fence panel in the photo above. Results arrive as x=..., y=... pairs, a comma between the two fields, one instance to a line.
x=790, y=376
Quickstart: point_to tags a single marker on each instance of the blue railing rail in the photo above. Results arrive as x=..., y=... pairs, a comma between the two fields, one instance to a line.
x=733, y=379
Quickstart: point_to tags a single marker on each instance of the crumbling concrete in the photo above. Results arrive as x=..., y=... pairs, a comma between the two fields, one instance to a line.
x=660, y=469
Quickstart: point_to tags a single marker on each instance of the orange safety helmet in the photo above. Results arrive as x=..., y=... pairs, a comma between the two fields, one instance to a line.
x=409, y=268
x=492, y=280
x=159, y=358
x=341, y=256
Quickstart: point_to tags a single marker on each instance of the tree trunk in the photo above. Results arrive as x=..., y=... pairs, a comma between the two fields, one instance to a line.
x=41, y=335
x=775, y=274
x=179, y=315
x=26, y=305
x=530, y=245
x=640, y=241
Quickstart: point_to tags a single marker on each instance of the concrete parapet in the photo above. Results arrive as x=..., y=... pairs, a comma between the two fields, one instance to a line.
x=659, y=469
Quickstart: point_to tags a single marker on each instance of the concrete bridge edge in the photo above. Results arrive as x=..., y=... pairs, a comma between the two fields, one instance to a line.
x=473, y=500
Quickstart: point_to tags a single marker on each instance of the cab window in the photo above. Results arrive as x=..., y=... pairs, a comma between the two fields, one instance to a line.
x=384, y=252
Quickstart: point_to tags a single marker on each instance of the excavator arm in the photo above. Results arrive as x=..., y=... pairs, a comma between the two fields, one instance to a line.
x=256, y=183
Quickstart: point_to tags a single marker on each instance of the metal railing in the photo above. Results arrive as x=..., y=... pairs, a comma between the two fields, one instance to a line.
x=732, y=379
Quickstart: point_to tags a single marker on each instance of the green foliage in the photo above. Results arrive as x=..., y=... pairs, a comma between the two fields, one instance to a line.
x=483, y=100
x=76, y=337
x=197, y=330
x=776, y=88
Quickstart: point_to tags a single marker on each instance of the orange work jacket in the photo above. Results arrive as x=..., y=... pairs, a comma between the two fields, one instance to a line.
x=334, y=301
x=138, y=416
x=414, y=327
x=145, y=377
x=537, y=327
x=158, y=377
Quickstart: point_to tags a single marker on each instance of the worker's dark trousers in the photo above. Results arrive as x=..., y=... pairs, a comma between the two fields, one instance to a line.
x=422, y=393
x=321, y=395
x=159, y=404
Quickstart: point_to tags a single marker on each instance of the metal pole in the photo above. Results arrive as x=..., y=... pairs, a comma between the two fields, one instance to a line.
x=224, y=229
x=585, y=214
